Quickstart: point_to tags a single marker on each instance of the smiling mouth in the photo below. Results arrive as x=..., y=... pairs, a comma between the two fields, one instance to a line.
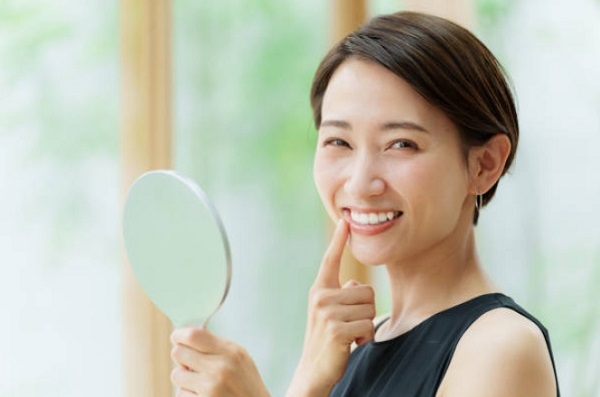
x=373, y=218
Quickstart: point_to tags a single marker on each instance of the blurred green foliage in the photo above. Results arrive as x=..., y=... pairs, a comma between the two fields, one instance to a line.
x=59, y=192
x=60, y=99
x=242, y=77
x=490, y=13
x=53, y=60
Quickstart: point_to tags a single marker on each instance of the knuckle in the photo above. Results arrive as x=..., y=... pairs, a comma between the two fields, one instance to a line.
x=369, y=292
x=367, y=326
x=336, y=331
x=371, y=312
x=314, y=291
x=194, y=334
x=221, y=377
x=323, y=315
x=187, y=336
x=175, y=376
x=176, y=353
x=324, y=311
x=180, y=354
x=370, y=335
x=182, y=335
x=320, y=298
x=237, y=354
x=228, y=364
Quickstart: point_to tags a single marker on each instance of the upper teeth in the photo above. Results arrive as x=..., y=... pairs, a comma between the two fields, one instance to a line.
x=372, y=218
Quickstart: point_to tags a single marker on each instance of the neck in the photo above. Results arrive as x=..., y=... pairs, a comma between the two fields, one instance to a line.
x=442, y=277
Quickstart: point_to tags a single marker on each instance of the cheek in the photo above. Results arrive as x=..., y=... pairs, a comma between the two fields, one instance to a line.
x=325, y=179
x=437, y=187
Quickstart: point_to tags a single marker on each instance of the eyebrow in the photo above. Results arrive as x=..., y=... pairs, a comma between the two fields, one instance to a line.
x=392, y=125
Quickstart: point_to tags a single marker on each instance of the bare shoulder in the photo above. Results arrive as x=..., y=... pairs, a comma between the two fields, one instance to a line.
x=501, y=354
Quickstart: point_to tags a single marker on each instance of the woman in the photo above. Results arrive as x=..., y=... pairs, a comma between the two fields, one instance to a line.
x=416, y=126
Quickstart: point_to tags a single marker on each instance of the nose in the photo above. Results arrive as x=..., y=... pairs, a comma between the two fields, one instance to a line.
x=364, y=179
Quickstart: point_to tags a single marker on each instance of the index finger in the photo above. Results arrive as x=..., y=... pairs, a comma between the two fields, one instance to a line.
x=329, y=272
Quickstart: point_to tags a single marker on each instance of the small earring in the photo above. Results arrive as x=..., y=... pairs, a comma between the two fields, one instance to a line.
x=478, y=201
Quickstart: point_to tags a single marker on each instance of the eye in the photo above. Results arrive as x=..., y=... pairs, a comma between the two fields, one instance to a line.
x=337, y=142
x=403, y=144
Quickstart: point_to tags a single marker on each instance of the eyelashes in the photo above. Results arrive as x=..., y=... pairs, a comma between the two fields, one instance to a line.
x=403, y=144
x=400, y=144
x=336, y=142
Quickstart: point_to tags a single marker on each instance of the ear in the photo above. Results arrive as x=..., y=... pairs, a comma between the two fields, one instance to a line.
x=486, y=163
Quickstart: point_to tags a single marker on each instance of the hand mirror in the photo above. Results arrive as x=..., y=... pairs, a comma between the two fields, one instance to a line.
x=177, y=246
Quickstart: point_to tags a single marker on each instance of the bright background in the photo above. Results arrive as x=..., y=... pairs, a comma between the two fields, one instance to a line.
x=242, y=72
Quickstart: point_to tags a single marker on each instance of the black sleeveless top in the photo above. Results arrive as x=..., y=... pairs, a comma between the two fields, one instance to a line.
x=414, y=363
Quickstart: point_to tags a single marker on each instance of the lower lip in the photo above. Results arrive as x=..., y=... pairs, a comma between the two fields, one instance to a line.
x=370, y=230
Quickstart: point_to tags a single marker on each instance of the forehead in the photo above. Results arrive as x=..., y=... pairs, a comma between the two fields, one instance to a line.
x=363, y=92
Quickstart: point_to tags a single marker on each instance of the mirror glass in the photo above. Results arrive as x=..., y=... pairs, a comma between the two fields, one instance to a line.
x=177, y=246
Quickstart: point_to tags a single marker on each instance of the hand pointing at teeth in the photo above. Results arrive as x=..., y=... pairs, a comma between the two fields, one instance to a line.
x=337, y=317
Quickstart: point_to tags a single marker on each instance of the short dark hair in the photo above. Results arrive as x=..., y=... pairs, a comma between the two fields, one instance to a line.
x=442, y=61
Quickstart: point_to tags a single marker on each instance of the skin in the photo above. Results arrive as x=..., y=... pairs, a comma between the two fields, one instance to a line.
x=383, y=148
x=208, y=365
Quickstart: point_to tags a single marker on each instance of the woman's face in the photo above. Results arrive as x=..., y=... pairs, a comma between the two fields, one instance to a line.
x=391, y=164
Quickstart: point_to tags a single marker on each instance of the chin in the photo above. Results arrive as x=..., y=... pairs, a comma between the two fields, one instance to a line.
x=369, y=256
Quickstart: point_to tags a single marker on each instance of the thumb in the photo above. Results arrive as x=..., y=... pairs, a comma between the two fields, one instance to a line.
x=329, y=272
x=199, y=339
